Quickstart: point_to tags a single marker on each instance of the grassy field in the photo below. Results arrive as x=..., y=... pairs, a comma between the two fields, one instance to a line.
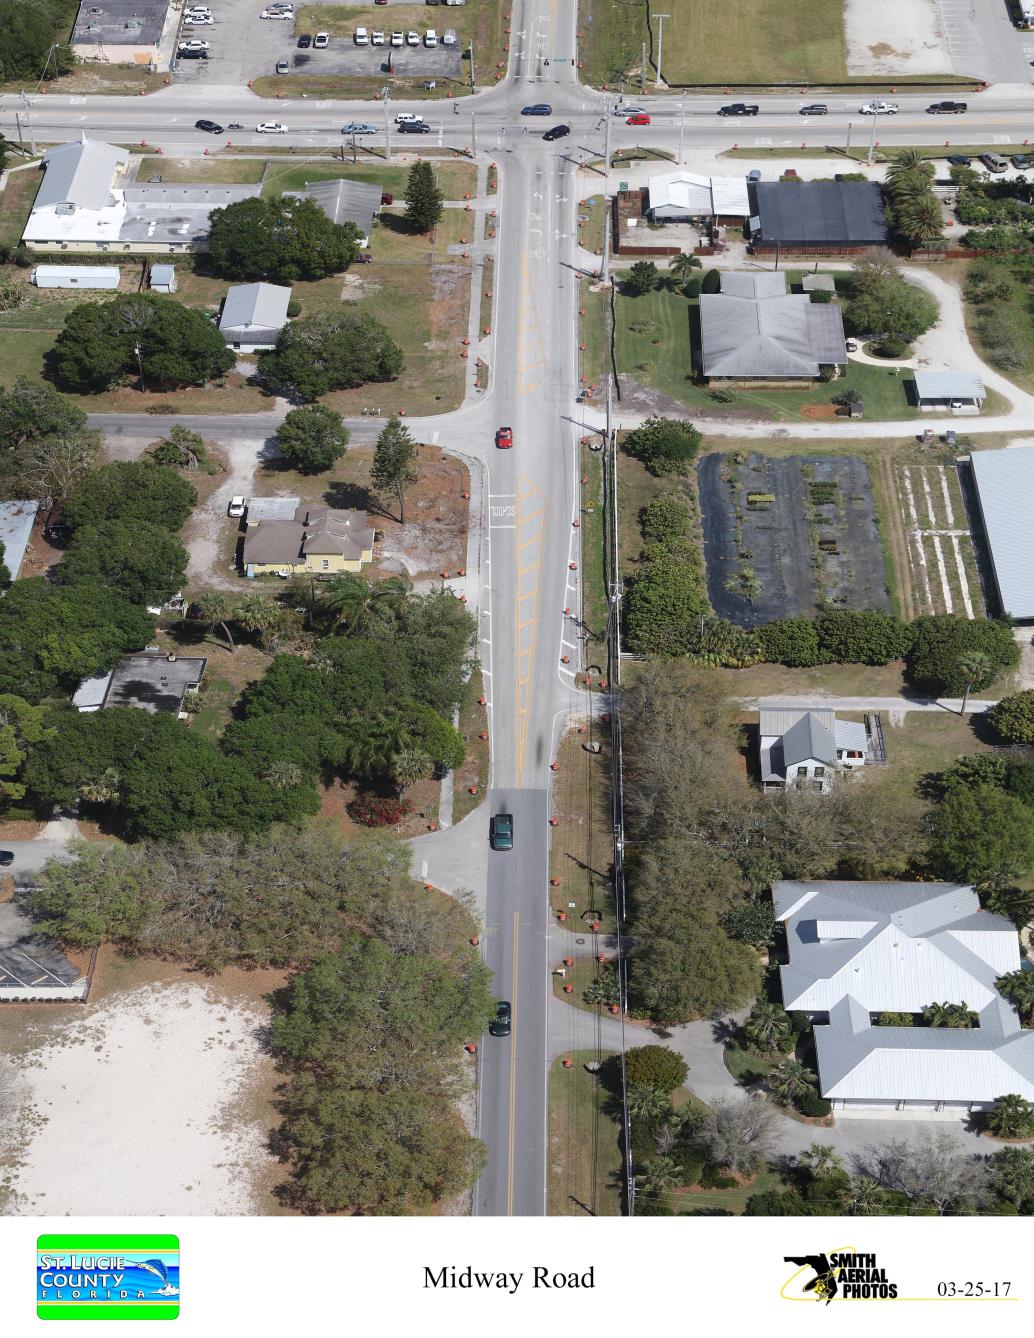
x=1004, y=324
x=581, y=847
x=454, y=177
x=590, y=232
x=115, y=80
x=16, y=204
x=613, y=32
x=725, y=1202
x=595, y=606
x=656, y=332
x=584, y=1143
x=225, y=170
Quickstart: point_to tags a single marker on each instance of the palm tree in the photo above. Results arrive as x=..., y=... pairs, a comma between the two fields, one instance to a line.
x=213, y=608
x=411, y=764
x=908, y=162
x=1011, y=1117
x=957, y=1015
x=820, y=1159
x=682, y=267
x=373, y=753
x=659, y=1175
x=919, y=217
x=103, y=789
x=351, y=598
x=976, y=668
x=864, y=1197
x=283, y=775
x=790, y=1081
x=647, y=1102
x=1018, y=988
x=767, y=1029
x=254, y=612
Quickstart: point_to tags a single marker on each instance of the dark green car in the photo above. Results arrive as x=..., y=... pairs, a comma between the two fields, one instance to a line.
x=500, y=831
x=500, y=1024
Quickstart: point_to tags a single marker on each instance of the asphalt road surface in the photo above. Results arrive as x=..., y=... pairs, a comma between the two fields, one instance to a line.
x=526, y=576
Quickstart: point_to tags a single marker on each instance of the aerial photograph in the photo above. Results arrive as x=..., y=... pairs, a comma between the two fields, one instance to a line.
x=516, y=610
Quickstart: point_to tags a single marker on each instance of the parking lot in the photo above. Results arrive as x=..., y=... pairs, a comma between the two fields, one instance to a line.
x=244, y=47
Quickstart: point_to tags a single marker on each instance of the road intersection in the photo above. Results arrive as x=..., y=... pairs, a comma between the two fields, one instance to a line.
x=530, y=562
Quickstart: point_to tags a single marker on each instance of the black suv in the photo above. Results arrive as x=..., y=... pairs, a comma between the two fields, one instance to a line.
x=212, y=127
x=414, y=128
x=946, y=108
x=814, y=109
x=557, y=132
x=739, y=109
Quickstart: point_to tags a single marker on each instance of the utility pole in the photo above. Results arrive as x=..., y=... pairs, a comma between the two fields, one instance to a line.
x=605, y=267
x=606, y=150
x=872, y=139
x=28, y=123
x=848, y=149
x=682, y=127
x=387, y=126
x=642, y=71
x=473, y=136
x=659, y=83
x=472, y=85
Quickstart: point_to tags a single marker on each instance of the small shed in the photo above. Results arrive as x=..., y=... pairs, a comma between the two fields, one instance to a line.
x=162, y=279
x=76, y=276
x=949, y=390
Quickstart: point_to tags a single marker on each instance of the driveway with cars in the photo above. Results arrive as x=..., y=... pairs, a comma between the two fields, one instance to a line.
x=243, y=46
x=344, y=57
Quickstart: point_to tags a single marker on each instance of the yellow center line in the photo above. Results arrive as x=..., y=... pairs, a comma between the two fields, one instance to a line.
x=513, y=1065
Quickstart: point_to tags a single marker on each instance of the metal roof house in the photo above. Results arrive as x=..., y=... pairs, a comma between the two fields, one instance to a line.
x=857, y=950
x=253, y=315
x=120, y=32
x=949, y=390
x=824, y=215
x=1004, y=485
x=344, y=202
x=754, y=330
x=806, y=748
x=682, y=196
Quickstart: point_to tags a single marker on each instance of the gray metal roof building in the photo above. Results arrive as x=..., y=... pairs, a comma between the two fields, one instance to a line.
x=79, y=174
x=782, y=337
x=344, y=201
x=254, y=313
x=178, y=214
x=825, y=213
x=936, y=386
x=1005, y=493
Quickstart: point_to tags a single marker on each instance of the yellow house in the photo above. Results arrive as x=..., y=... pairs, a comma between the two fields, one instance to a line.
x=319, y=541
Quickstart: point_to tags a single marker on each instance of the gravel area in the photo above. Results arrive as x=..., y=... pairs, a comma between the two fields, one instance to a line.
x=895, y=37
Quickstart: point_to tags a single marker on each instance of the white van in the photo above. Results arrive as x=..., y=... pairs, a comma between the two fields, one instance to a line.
x=362, y=37
x=449, y=37
x=430, y=37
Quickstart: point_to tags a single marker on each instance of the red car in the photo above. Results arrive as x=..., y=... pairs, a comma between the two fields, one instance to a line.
x=504, y=438
x=640, y=118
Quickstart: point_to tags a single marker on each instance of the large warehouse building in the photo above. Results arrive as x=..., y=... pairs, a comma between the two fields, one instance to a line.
x=1004, y=482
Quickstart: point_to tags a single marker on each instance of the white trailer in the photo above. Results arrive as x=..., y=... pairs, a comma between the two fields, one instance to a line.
x=76, y=276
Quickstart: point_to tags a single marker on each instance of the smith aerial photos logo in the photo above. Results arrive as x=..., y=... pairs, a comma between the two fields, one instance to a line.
x=107, y=1277
x=842, y=1275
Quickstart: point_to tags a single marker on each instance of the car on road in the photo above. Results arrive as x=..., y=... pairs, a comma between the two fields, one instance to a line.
x=271, y=128
x=210, y=127
x=377, y=38
x=304, y=41
x=537, y=109
x=878, y=108
x=397, y=38
x=500, y=831
x=237, y=506
x=959, y=160
x=626, y=111
x=504, y=438
x=408, y=118
x=414, y=128
x=1021, y=161
x=946, y=108
x=412, y=38
x=557, y=132
x=7, y=858
x=500, y=1024
x=814, y=109
x=195, y=44
x=640, y=118
x=739, y=109
x=321, y=41
x=359, y=128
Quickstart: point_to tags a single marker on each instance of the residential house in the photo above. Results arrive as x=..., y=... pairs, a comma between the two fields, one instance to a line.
x=754, y=330
x=344, y=201
x=253, y=315
x=320, y=540
x=685, y=197
x=806, y=748
x=860, y=950
x=149, y=681
x=85, y=205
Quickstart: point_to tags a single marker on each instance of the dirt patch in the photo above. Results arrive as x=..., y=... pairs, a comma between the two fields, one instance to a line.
x=784, y=535
x=819, y=411
x=20, y=831
x=423, y=796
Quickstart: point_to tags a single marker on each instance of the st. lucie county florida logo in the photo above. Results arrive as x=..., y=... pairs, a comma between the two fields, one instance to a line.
x=107, y=1277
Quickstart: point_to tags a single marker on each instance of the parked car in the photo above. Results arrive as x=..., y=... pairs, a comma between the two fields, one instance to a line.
x=1021, y=161
x=851, y=345
x=195, y=44
x=739, y=109
x=640, y=118
x=271, y=128
x=407, y=118
x=815, y=109
x=946, y=108
x=959, y=160
x=878, y=108
x=211, y=127
x=430, y=37
x=282, y=67
x=237, y=507
x=412, y=38
x=500, y=1024
x=305, y=41
x=286, y=14
x=322, y=40
x=557, y=132
x=359, y=128
x=537, y=109
x=196, y=9
x=191, y=55
x=449, y=37
x=397, y=38
x=414, y=128
x=754, y=174
x=196, y=20
x=7, y=859
x=994, y=162
x=361, y=37
x=500, y=831
x=377, y=38
x=504, y=438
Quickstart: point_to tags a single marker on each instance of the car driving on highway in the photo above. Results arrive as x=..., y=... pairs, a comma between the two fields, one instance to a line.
x=500, y=1024
x=557, y=132
x=407, y=118
x=504, y=438
x=500, y=831
x=878, y=108
x=271, y=128
x=537, y=109
x=358, y=128
x=640, y=118
x=414, y=128
x=211, y=127
x=814, y=109
x=739, y=109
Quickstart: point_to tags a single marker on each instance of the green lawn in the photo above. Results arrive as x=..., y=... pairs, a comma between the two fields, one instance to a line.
x=687, y=1202
x=754, y=41
x=1005, y=325
x=16, y=204
x=225, y=170
x=454, y=177
x=585, y=1160
x=654, y=337
x=747, y=1068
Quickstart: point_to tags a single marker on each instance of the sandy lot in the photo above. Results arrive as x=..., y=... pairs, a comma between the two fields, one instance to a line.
x=895, y=37
x=142, y=1105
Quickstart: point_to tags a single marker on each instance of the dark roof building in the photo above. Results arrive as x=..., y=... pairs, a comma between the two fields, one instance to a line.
x=344, y=202
x=819, y=213
x=133, y=27
x=149, y=682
